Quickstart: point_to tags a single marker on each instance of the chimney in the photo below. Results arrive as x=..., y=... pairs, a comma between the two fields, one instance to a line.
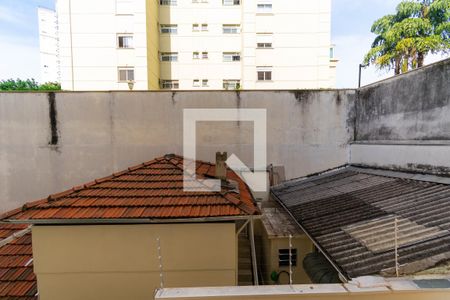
x=221, y=168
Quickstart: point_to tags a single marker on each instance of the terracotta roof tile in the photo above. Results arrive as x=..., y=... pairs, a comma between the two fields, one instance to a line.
x=149, y=190
x=17, y=280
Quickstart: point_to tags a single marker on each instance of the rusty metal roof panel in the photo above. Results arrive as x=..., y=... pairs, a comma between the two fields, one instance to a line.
x=351, y=214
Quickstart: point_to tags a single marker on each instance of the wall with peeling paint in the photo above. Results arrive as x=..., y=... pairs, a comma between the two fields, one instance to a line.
x=98, y=133
x=403, y=123
x=51, y=142
x=414, y=106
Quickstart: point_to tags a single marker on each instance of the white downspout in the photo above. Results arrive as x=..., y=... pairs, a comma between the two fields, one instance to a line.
x=253, y=250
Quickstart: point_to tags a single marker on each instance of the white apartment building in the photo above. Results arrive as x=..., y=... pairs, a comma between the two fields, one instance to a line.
x=195, y=44
x=48, y=45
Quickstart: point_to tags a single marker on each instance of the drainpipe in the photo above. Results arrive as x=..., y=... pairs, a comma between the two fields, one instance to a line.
x=253, y=249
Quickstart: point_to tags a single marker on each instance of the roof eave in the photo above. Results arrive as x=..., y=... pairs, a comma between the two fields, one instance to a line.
x=129, y=221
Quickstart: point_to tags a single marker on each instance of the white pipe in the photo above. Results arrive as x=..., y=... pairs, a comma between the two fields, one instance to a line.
x=253, y=249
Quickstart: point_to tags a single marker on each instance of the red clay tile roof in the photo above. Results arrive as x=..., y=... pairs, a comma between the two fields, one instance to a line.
x=152, y=190
x=17, y=280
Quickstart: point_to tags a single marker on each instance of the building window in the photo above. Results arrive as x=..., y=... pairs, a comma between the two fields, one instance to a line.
x=169, y=29
x=205, y=83
x=231, y=84
x=195, y=55
x=204, y=55
x=124, y=7
x=125, y=74
x=169, y=56
x=196, y=83
x=264, y=73
x=264, y=45
x=231, y=28
x=170, y=84
x=124, y=41
x=168, y=2
x=204, y=27
x=264, y=40
x=231, y=56
x=264, y=8
x=231, y=2
x=283, y=257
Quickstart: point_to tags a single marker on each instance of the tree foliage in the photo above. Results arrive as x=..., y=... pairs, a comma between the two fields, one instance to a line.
x=28, y=85
x=404, y=39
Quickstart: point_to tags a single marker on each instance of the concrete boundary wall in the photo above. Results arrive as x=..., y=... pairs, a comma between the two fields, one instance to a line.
x=52, y=142
x=413, y=106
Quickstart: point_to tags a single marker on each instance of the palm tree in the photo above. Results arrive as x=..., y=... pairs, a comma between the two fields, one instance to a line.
x=403, y=40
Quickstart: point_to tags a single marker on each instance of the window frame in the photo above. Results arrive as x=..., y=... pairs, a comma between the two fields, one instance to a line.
x=264, y=8
x=231, y=28
x=127, y=70
x=174, y=84
x=173, y=29
x=233, y=56
x=173, y=56
x=231, y=2
x=196, y=83
x=283, y=257
x=266, y=72
x=125, y=35
x=231, y=84
x=168, y=2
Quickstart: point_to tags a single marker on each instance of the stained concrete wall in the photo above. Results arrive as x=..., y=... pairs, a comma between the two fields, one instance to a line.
x=52, y=142
x=414, y=106
x=403, y=123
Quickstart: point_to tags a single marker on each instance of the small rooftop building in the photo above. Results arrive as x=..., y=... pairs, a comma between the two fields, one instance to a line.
x=123, y=236
x=360, y=218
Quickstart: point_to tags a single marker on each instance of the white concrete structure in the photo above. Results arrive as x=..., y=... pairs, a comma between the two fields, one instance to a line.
x=48, y=45
x=102, y=44
x=195, y=44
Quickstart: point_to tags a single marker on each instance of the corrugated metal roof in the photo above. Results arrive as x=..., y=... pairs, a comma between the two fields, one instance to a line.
x=152, y=190
x=17, y=280
x=351, y=214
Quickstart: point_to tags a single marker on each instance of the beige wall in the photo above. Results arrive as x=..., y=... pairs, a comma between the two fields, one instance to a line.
x=121, y=261
x=271, y=246
x=152, y=16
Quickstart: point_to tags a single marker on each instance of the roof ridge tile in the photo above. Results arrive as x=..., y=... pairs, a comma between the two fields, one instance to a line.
x=116, y=203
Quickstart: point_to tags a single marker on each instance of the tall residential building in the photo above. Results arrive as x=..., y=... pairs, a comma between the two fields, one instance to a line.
x=195, y=44
x=48, y=45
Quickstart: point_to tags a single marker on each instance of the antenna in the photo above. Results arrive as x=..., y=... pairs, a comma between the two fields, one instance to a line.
x=290, y=259
x=161, y=276
x=397, y=272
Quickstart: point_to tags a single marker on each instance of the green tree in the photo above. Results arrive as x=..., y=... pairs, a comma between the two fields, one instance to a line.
x=404, y=39
x=27, y=85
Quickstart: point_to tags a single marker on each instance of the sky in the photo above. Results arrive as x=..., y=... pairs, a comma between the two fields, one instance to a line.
x=351, y=22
